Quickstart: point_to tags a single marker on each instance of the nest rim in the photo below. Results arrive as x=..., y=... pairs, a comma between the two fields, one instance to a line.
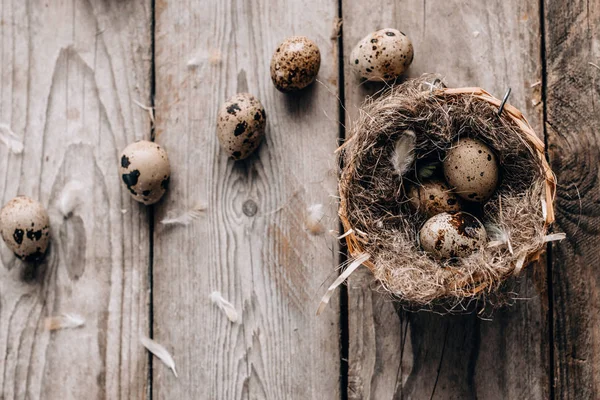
x=355, y=244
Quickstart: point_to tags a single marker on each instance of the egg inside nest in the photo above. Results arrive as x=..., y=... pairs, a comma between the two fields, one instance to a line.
x=471, y=168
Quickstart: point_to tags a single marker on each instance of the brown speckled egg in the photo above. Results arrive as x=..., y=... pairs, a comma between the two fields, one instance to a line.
x=241, y=124
x=25, y=228
x=433, y=197
x=452, y=235
x=145, y=171
x=295, y=64
x=471, y=168
x=382, y=55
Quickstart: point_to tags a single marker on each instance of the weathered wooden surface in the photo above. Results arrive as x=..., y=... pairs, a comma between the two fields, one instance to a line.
x=572, y=126
x=69, y=74
x=251, y=243
x=471, y=43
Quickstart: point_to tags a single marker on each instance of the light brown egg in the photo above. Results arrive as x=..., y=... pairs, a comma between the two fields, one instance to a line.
x=452, y=235
x=295, y=64
x=145, y=171
x=382, y=55
x=25, y=228
x=241, y=124
x=471, y=168
x=433, y=197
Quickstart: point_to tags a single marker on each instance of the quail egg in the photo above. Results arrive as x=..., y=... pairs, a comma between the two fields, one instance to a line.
x=471, y=168
x=295, y=64
x=145, y=171
x=452, y=235
x=382, y=55
x=25, y=228
x=241, y=124
x=433, y=197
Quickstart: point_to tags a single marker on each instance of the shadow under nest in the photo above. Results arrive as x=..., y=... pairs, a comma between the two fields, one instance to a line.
x=374, y=206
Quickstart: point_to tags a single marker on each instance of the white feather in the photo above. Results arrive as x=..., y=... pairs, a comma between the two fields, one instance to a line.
x=404, y=152
x=343, y=276
x=314, y=217
x=544, y=207
x=149, y=109
x=10, y=139
x=185, y=218
x=217, y=298
x=349, y=232
x=70, y=197
x=64, y=321
x=498, y=236
x=555, y=237
x=159, y=351
x=519, y=265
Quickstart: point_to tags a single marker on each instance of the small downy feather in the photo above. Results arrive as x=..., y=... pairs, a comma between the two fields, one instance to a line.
x=314, y=217
x=159, y=351
x=10, y=139
x=64, y=321
x=404, y=152
x=217, y=298
x=70, y=197
x=185, y=218
x=498, y=237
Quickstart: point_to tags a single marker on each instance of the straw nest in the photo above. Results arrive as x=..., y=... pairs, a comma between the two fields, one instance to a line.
x=382, y=230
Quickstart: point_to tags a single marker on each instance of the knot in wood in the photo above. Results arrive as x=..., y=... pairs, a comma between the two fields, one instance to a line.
x=249, y=208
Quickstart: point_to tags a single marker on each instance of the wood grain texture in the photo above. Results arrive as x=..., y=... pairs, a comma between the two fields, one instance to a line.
x=573, y=122
x=493, y=45
x=70, y=72
x=251, y=244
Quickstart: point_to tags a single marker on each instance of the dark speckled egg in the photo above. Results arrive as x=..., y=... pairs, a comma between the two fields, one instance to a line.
x=241, y=124
x=145, y=171
x=25, y=228
x=433, y=197
x=382, y=55
x=295, y=64
x=452, y=235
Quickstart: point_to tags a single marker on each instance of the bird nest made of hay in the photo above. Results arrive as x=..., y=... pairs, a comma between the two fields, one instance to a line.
x=382, y=229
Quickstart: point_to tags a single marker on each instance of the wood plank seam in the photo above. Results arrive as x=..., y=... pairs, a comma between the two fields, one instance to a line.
x=343, y=253
x=151, y=211
x=549, y=246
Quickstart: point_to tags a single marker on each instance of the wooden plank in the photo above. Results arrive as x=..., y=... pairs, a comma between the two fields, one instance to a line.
x=251, y=243
x=573, y=59
x=70, y=72
x=493, y=45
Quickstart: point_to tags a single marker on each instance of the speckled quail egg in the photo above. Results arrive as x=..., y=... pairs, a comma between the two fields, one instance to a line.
x=25, y=228
x=295, y=64
x=471, y=168
x=452, y=235
x=433, y=197
x=145, y=171
x=382, y=55
x=241, y=124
